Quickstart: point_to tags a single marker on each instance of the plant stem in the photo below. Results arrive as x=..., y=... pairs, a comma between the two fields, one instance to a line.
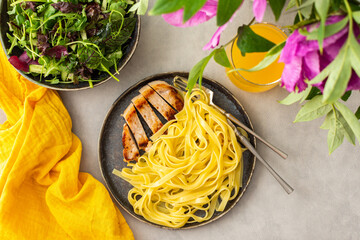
x=348, y=8
x=299, y=13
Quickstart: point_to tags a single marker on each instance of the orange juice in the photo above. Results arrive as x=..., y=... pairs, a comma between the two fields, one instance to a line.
x=264, y=79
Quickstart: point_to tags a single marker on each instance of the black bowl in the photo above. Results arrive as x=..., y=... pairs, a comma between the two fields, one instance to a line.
x=128, y=52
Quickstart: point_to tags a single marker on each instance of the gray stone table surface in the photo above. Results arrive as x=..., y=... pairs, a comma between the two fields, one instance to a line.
x=326, y=200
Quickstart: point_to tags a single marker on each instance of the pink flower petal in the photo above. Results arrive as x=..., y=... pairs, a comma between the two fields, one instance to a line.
x=214, y=41
x=311, y=65
x=259, y=7
x=292, y=76
x=207, y=12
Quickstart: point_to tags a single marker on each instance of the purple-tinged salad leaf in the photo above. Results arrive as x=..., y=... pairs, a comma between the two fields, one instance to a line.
x=42, y=43
x=67, y=7
x=22, y=63
x=57, y=52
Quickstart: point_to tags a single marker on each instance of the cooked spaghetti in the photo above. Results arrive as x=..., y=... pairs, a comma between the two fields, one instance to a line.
x=191, y=171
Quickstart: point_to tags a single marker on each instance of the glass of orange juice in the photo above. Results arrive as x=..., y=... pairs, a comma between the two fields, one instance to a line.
x=261, y=80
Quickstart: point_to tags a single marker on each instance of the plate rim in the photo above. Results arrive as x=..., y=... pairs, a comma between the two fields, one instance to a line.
x=100, y=148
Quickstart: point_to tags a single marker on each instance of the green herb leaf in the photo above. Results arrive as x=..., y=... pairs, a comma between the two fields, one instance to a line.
x=291, y=4
x=295, y=97
x=335, y=134
x=329, y=30
x=335, y=5
x=248, y=41
x=350, y=118
x=348, y=132
x=166, y=6
x=338, y=78
x=143, y=7
x=313, y=109
x=314, y=92
x=356, y=16
x=197, y=71
x=269, y=58
x=226, y=8
x=357, y=113
x=327, y=122
x=276, y=7
x=221, y=58
x=192, y=7
x=322, y=7
x=346, y=96
x=354, y=54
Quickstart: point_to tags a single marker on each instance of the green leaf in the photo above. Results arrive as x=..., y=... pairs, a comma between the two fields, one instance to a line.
x=348, y=132
x=269, y=58
x=225, y=9
x=327, y=122
x=248, y=41
x=314, y=92
x=192, y=7
x=143, y=7
x=276, y=7
x=166, y=6
x=355, y=54
x=335, y=4
x=291, y=4
x=322, y=7
x=335, y=134
x=134, y=7
x=346, y=96
x=197, y=71
x=329, y=30
x=221, y=58
x=350, y=118
x=295, y=97
x=356, y=16
x=313, y=109
x=357, y=113
x=338, y=78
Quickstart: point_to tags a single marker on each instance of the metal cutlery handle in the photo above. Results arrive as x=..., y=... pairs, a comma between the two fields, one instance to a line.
x=251, y=148
x=237, y=122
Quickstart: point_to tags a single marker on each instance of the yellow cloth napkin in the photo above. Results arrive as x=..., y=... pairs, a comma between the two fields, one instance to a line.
x=42, y=194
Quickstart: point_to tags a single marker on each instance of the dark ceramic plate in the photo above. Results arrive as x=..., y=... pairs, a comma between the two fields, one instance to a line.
x=128, y=52
x=111, y=150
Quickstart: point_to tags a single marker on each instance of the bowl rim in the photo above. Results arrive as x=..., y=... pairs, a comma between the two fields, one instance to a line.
x=129, y=55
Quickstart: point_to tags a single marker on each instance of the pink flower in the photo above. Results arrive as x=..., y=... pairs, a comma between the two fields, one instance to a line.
x=259, y=7
x=207, y=12
x=303, y=60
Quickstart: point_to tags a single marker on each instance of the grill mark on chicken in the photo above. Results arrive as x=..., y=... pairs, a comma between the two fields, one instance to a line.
x=135, y=126
x=168, y=93
x=147, y=113
x=130, y=151
x=160, y=104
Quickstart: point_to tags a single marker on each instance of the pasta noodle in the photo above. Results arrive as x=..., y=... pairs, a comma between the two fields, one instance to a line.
x=191, y=171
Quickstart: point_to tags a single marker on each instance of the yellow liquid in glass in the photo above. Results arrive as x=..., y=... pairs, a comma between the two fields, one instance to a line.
x=264, y=79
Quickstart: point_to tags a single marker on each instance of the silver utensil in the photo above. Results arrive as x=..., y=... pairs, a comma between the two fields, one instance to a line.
x=181, y=83
x=251, y=148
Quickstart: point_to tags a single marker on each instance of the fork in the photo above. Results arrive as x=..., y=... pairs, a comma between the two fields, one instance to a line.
x=178, y=83
x=181, y=83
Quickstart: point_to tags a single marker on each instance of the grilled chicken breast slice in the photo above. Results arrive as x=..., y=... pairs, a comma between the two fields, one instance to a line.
x=167, y=92
x=130, y=151
x=132, y=119
x=147, y=113
x=160, y=104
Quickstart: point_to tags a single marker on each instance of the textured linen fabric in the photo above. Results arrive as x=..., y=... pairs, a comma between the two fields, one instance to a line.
x=42, y=194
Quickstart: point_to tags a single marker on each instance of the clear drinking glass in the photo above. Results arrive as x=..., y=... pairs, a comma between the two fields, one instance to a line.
x=264, y=79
